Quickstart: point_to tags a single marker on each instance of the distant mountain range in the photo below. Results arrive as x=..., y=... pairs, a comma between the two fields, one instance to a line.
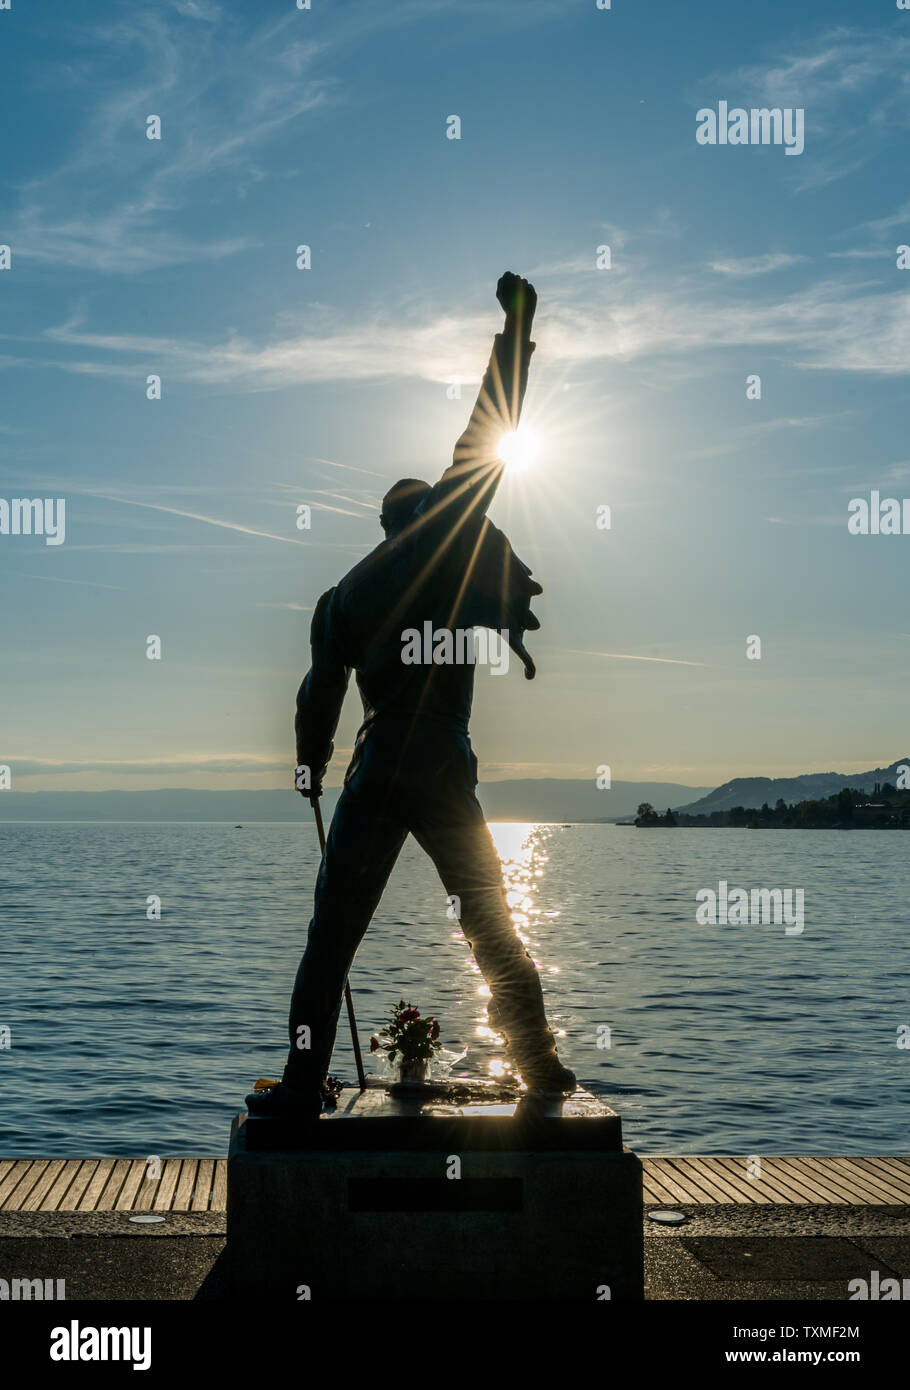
x=532, y=799
x=811, y=786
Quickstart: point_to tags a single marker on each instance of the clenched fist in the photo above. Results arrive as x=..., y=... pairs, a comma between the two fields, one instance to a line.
x=518, y=298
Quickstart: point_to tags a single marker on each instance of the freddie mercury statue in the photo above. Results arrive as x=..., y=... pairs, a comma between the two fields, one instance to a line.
x=413, y=769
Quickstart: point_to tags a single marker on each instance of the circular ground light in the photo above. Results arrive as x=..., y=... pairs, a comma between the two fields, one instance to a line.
x=145, y=1220
x=667, y=1218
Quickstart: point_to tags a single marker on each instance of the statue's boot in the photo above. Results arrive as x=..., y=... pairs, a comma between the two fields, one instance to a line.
x=536, y=1058
x=282, y=1102
x=549, y=1077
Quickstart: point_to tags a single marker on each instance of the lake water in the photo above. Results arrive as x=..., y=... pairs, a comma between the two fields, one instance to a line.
x=131, y=1036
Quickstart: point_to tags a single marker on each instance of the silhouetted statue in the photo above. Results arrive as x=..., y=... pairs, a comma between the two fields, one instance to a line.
x=444, y=564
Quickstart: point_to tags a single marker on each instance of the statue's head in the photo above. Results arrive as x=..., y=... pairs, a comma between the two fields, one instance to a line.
x=400, y=503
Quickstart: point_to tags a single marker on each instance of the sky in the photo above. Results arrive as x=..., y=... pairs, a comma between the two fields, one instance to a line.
x=284, y=387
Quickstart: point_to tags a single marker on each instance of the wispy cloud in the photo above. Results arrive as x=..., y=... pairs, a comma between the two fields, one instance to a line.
x=194, y=516
x=879, y=235
x=331, y=463
x=808, y=520
x=798, y=422
x=60, y=579
x=436, y=347
x=850, y=82
x=756, y=265
x=844, y=326
x=290, y=607
x=626, y=656
x=224, y=86
x=112, y=205
x=197, y=9
x=141, y=548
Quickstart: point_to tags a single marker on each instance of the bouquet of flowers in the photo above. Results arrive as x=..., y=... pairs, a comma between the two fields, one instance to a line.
x=408, y=1036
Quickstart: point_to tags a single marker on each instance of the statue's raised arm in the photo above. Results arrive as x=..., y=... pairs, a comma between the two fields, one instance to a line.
x=466, y=489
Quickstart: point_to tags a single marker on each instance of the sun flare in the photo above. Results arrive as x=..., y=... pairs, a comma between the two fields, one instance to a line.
x=519, y=450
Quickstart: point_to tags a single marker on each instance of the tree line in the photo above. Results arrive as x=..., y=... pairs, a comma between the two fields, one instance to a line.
x=849, y=808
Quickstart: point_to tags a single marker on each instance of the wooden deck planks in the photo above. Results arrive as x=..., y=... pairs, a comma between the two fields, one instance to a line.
x=785, y=1180
x=112, y=1188
x=851, y=1180
x=806, y=1187
x=895, y=1173
x=134, y=1177
x=652, y=1188
x=771, y=1187
x=732, y=1183
x=167, y=1184
x=685, y=1170
x=186, y=1184
x=73, y=1194
x=34, y=1199
x=144, y=1199
x=819, y=1172
x=22, y=1182
x=96, y=1185
x=11, y=1179
x=203, y=1190
x=680, y=1190
x=219, y=1186
x=200, y=1184
x=59, y=1188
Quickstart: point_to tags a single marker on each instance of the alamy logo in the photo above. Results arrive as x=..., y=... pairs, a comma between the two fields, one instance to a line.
x=877, y=1289
x=878, y=517
x=761, y=125
x=18, y=1290
x=75, y=1343
x=460, y=646
x=34, y=516
x=737, y=907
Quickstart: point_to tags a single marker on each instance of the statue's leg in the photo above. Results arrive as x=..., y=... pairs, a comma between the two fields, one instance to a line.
x=363, y=842
x=449, y=824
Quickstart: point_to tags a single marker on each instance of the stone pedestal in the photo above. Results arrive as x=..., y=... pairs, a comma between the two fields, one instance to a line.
x=408, y=1198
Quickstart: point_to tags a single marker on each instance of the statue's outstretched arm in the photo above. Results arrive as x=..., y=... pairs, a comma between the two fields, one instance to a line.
x=467, y=488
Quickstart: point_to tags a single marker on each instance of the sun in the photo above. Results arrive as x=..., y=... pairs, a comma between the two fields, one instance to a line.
x=519, y=449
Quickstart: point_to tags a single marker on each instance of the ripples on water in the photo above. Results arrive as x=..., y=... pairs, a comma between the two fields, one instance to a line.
x=134, y=1037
